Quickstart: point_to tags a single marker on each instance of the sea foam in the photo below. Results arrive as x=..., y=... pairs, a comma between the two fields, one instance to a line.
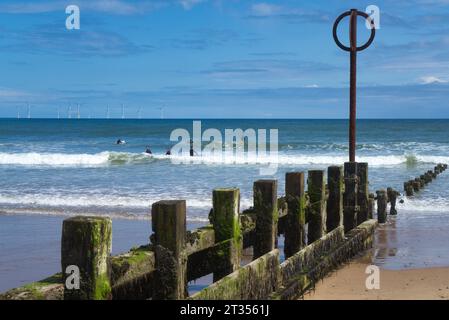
x=122, y=158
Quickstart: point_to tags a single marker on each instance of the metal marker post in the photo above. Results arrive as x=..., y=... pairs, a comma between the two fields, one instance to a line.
x=353, y=49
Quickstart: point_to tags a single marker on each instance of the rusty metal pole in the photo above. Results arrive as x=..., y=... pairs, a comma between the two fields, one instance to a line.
x=353, y=85
x=353, y=49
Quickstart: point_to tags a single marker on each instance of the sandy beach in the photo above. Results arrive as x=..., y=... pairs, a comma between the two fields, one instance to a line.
x=348, y=283
x=410, y=253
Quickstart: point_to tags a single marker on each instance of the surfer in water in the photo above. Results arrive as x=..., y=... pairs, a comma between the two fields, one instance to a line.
x=120, y=141
x=148, y=150
x=192, y=152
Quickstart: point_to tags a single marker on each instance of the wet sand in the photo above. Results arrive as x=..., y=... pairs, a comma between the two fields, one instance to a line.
x=348, y=283
x=412, y=254
x=30, y=245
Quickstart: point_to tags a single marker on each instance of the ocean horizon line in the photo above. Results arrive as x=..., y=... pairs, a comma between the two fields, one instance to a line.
x=215, y=118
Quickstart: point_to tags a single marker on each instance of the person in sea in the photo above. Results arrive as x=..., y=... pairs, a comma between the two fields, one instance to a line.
x=148, y=150
x=120, y=141
x=192, y=152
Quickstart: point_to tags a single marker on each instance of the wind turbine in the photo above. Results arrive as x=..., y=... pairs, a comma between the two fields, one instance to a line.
x=18, y=112
x=78, y=115
x=70, y=111
x=139, y=113
x=59, y=112
x=29, y=111
x=161, y=109
x=107, y=112
x=123, y=111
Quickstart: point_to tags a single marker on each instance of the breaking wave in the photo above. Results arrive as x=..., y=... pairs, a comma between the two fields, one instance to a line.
x=122, y=158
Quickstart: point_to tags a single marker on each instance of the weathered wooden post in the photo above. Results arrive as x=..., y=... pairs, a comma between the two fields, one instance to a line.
x=382, y=201
x=416, y=185
x=392, y=197
x=424, y=179
x=86, y=247
x=350, y=207
x=362, y=192
x=334, y=207
x=317, y=207
x=408, y=188
x=169, y=227
x=295, y=234
x=265, y=206
x=422, y=184
x=226, y=223
x=371, y=200
x=428, y=176
x=434, y=174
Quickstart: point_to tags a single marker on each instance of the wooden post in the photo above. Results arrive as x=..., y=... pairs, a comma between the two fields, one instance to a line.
x=265, y=206
x=371, y=205
x=424, y=179
x=416, y=185
x=335, y=183
x=169, y=227
x=408, y=188
x=362, y=192
x=382, y=201
x=317, y=207
x=295, y=234
x=392, y=197
x=350, y=207
x=86, y=246
x=422, y=184
x=226, y=223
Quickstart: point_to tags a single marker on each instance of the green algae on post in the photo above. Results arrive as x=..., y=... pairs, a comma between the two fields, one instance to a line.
x=362, y=192
x=295, y=233
x=317, y=207
x=265, y=206
x=226, y=223
x=169, y=227
x=86, y=244
x=334, y=207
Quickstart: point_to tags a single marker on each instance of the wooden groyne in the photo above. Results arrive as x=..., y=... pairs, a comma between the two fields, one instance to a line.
x=415, y=185
x=322, y=228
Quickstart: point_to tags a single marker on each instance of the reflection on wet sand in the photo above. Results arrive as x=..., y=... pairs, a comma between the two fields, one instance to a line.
x=411, y=241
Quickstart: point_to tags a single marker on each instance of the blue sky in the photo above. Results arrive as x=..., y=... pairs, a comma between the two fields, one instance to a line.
x=221, y=59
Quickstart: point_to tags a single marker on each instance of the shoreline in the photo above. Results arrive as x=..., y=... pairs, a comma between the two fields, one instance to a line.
x=409, y=250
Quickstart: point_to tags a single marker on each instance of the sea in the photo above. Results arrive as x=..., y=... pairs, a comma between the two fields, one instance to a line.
x=52, y=169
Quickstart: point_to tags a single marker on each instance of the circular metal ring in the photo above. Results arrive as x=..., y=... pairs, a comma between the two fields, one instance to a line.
x=359, y=13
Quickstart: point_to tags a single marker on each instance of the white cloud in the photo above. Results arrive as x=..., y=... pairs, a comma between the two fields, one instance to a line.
x=265, y=9
x=106, y=6
x=431, y=79
x=189, y=4
x=8, y=95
